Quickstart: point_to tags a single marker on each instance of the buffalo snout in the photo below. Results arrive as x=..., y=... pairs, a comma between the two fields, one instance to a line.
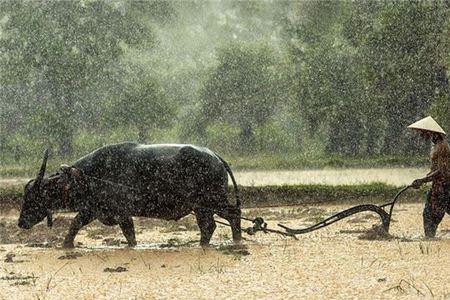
x=23, y=224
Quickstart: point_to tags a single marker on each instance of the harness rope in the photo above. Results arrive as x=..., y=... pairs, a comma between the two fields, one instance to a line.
x=258, y=225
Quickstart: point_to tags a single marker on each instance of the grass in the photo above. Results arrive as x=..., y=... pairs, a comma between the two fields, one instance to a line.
x=259, y=196
x=290, y=161
x=28, y=169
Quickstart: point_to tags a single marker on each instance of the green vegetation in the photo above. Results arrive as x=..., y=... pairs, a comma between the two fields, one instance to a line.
x=299, y=161
x=242, y=90
x=268, y=84
x=313, y=194
x=53, y=53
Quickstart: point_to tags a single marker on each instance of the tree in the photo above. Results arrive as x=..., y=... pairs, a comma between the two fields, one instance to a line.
x=140, y=102
x=376, y=66
x=242, y=89
x=402, y=47
x=59, y=49
x=329, y=93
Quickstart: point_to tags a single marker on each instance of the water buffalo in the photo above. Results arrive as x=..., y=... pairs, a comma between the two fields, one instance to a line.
x=116, y=182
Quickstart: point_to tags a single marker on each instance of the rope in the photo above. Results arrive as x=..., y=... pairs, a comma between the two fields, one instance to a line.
x=258, y=225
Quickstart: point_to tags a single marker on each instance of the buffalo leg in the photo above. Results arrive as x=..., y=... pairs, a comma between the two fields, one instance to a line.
x=205, y=221
x=127, y=227
x=233, y=215
x=80, y=220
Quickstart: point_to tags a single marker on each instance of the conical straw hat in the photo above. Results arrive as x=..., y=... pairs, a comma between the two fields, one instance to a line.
x=428, y=124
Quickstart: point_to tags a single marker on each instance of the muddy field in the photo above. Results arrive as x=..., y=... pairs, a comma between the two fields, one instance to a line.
x=392, y=176
x=348, y=259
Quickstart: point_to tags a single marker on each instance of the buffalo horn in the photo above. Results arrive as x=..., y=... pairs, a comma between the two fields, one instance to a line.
x=49, y=218
x=43, y=166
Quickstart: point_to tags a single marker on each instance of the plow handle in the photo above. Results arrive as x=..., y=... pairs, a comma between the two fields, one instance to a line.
x=384, y=216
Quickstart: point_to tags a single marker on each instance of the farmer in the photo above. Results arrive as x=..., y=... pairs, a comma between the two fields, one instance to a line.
x=438, y=197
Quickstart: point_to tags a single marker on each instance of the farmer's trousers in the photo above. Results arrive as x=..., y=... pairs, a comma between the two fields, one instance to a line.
x=434, y=211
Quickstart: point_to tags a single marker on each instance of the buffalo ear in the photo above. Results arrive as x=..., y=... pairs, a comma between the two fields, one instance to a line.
x=77, y=173
x=65, y=168
x=71, y=171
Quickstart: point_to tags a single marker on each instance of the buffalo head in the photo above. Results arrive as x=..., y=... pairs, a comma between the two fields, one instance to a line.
x=35, y=207
x=41, y=195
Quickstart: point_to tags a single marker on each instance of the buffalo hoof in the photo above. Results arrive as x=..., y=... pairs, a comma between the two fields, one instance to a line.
x=131, y=245
x=237, y=239
x=205, y=245
x=430, y=230
x=237, y=242
x=68, y=245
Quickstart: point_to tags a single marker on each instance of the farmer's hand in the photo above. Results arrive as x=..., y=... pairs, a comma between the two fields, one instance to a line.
x=416, y=183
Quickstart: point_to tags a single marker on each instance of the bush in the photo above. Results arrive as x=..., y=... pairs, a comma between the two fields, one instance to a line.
x=272, y=138
x=223, y=138
x=21, y=147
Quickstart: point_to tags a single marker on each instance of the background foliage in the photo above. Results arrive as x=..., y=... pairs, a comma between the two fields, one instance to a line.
x=276, y=78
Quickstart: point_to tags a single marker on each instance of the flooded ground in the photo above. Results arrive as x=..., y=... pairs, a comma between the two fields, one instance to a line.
x=393, y=176
x=345, y=260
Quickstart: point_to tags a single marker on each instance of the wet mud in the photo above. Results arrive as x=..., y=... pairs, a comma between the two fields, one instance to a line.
x=351, y=258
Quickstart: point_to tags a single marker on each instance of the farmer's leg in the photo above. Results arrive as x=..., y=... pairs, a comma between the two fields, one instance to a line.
x=447, y=195
x=433, y=213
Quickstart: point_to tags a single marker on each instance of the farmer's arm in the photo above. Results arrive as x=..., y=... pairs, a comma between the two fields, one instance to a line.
x=430, y=177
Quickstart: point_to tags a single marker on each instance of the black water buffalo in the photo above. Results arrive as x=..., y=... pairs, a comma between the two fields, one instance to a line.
x=116, y=182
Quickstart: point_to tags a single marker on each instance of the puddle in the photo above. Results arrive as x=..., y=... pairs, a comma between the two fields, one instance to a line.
x=115, y=270
x=73, y=255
